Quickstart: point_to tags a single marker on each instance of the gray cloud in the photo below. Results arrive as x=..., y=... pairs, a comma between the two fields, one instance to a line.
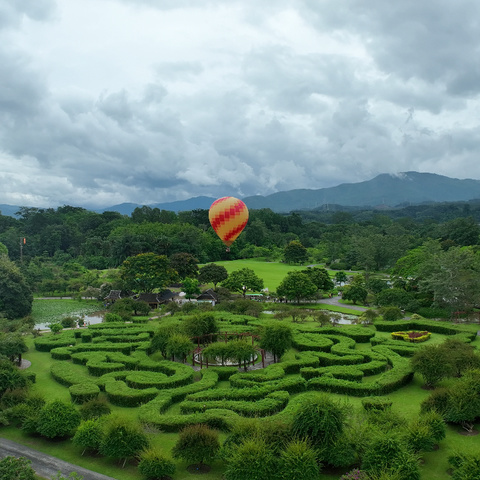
x=242, y=98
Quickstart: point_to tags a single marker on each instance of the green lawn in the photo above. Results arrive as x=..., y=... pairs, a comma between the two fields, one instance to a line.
x=272, y=273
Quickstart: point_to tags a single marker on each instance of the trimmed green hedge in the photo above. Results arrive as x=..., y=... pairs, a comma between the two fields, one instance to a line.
x=398, y=376
x=120, y=394
x=272, y=403
x=312, y=342
x=83, y=392
x=46, y=343
x=64, y=374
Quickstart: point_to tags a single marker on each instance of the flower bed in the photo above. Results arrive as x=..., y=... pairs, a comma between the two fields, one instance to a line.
x=411, y=336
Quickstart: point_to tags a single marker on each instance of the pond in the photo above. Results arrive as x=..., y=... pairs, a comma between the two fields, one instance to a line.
x=90, y=319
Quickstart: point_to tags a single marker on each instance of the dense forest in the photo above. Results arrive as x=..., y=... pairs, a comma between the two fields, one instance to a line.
x=65, y=248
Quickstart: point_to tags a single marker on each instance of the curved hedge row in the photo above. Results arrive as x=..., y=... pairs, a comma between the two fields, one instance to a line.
x=356, y=333
x=312, y=342
x=46, y=343
x=64, y=374
x=83, y=392
x=272, y=403
x=119, y=393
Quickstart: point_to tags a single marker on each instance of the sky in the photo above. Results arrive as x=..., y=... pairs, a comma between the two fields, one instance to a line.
x=148, y=101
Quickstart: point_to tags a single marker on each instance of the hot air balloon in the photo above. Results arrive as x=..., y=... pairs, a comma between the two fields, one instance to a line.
x=228, y=217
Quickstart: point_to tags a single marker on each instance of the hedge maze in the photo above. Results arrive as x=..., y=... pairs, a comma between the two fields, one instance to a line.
x=113, y=359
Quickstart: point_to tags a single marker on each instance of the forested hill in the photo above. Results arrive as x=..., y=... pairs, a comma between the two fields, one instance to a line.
x=383, y=190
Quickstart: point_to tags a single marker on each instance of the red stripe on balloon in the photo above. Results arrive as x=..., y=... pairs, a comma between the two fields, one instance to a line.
x=233, y=233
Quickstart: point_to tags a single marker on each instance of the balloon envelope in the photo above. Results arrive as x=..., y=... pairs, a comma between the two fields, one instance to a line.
x=228, y=217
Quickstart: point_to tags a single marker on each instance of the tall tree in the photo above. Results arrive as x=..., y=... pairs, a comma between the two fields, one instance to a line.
x=147, y=272
x=15, y=295
x=243, y=280
x=296, y=286
x=276, y=338
x=212, y=273
x=454, y=278
x=295, y=252
x=185, y=264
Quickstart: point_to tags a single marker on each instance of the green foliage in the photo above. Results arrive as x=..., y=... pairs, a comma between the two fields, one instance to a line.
x=276, y=337
x=295, y=252
x=146, y=272
x=297, y=286
x=431, y=363
x=197, y=444
x=122, y=438
x=83, y=392
x=387, y=452
x=320, y=419
x=94, y=408
x=200, y=325
x=15, y=294
x=356, y=293
x=465, y=466
x=252, y=460
x=154, y=464
x=391, y=314
x=212, y=273
x=89, y=435
x=243, y=280
x=320, y=278
x=56, y=328
x=185, y=264
x=179, y=346
x=57, y=419
x=12, y=468
x=299, y=462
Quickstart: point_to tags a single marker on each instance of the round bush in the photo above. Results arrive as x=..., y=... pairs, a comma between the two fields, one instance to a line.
x=154, y=464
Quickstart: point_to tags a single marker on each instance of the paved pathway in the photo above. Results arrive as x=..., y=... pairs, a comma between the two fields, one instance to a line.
x=46, y=465
x=335, y=301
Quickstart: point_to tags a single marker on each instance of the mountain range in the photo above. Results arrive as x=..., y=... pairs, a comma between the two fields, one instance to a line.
x=383, y=191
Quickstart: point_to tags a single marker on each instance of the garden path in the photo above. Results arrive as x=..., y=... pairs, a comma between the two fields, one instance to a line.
x=46, y=465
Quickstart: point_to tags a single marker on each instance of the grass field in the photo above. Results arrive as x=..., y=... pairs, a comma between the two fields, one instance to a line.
x=272, y=273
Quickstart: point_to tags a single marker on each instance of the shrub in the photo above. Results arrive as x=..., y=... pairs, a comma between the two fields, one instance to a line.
x=154, y=464
x=12, y=468
x=465, y=466
x=112, y=317
x=94, y=408
x=122, y=438
x=57, y=419
x=319, y=418
x=390, y=314
x=197, y=444
x=252, y=460
x=89, y=435
x=298, y=462
x=68, y=322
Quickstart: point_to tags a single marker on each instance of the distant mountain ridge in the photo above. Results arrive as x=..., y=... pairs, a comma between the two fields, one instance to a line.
x=385, y=190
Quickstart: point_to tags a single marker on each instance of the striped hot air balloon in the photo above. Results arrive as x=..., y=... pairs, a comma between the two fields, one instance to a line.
x=228, y=217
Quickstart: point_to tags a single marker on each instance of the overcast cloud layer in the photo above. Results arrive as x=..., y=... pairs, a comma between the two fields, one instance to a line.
x=146, y=101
